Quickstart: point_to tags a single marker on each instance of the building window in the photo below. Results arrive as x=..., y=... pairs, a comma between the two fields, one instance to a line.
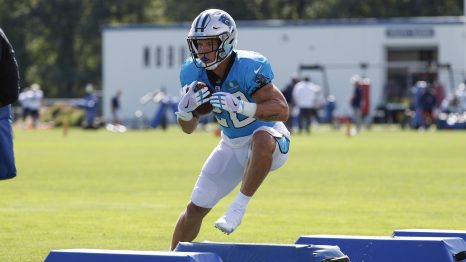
x=158, y=56
x=182, y=54
x=170, y=56
x=146, y=56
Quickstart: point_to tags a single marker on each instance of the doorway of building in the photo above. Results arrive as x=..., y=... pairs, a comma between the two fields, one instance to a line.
x=406, y=66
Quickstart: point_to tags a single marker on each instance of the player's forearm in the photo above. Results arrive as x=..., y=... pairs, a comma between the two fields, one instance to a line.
x=272, y=110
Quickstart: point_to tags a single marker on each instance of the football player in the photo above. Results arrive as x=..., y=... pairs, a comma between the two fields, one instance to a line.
x=250, y=110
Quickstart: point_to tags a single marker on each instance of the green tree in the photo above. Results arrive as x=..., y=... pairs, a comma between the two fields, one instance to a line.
x=58, y=43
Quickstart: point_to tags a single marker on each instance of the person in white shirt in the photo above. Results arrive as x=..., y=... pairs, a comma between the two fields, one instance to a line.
x=24, y=102
x=304, y=97
x=34, y=97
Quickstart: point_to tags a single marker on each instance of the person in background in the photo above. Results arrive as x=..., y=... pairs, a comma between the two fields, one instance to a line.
x=288, y=94
x=428, y=103
x=455, y=102
x=24, y=102
x=115, y=107
x=164, y=102
x=116, y=124
x=318, y=103
x=9, y=92
x=440, y=93
x=329, y=110
x=89, y=104
x=356, y=104
x=304, y=99
x=461, y=93
x=35, y=96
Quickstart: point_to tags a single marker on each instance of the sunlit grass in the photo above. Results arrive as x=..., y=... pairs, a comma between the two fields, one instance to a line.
x=125, y=191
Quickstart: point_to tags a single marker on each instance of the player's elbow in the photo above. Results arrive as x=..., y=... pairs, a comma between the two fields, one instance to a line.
x=279, y=112
x=285, y=116
x=284, y=112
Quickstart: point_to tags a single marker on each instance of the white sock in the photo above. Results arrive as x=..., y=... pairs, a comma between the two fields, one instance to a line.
x=241, y=200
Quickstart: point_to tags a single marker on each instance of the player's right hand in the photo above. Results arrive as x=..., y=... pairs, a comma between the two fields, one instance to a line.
x=191, y=99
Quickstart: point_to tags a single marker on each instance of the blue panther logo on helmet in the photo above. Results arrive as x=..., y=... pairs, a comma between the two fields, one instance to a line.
x=224, y=19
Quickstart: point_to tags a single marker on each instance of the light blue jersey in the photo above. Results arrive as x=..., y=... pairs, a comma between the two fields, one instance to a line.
x=249, y=72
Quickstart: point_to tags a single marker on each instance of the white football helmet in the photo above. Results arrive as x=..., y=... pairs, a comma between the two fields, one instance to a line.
x=217, y=25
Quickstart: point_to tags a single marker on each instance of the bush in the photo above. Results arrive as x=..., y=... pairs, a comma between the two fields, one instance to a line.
x=60, y=112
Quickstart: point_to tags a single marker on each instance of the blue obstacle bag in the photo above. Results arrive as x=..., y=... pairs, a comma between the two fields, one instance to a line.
x=7, y=159
x=244, y=252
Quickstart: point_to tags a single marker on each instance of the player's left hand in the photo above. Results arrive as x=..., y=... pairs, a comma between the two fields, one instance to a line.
x=192, y=98
x=226, y=101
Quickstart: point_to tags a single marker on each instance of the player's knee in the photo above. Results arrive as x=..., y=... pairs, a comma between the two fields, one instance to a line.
x=263, y=143
x=196, y=212
x=205, y=193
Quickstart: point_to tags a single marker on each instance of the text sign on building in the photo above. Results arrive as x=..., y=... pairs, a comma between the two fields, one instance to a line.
x=424, y=32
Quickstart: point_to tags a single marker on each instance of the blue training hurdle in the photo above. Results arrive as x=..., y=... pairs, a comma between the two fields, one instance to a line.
x=97, y=255
x=390, y=249
x=429, y=233
x=234, y=252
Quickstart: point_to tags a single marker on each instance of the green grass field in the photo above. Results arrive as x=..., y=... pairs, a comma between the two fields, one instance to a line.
x=125, y=191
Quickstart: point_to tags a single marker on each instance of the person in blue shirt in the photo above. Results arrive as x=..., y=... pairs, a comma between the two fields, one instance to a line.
x=250, y=110
x=427, y=103
x=115, y=108
x=356, y=103
x=90, y=103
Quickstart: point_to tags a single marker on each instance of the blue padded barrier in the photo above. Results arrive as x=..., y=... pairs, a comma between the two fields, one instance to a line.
x=389, y=249
x=97, y=255
x=234, y=252
x=429, y=233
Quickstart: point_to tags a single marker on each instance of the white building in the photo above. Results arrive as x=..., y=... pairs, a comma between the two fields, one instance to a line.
x=393, y=53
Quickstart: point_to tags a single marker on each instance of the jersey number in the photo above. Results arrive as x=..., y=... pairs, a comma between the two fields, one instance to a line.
x=233, y=116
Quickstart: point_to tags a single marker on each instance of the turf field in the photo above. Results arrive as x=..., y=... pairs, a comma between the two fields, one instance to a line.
x=124, y=191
